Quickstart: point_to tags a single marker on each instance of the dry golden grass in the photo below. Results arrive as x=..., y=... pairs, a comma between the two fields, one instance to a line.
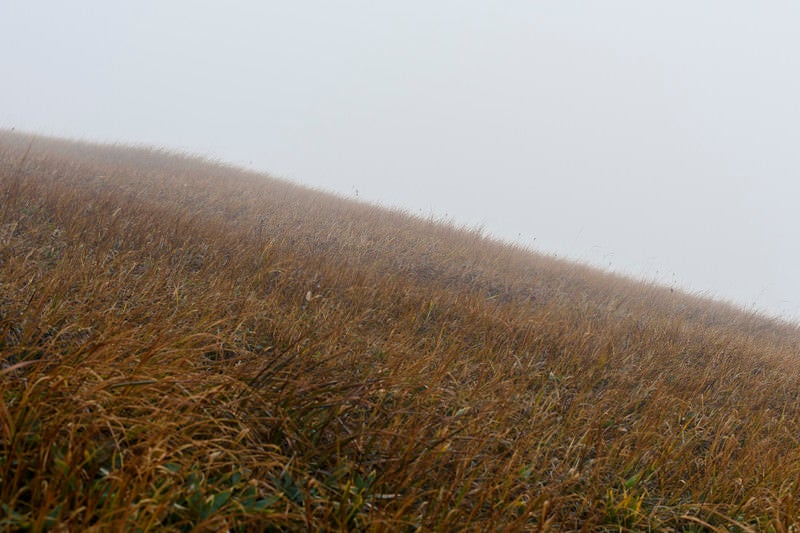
x=188, y=346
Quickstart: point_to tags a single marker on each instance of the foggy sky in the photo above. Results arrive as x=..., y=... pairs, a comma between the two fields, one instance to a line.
x=659, y=139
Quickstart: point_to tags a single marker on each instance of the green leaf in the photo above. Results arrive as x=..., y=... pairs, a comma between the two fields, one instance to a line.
x=219, y=500
x=633, y=480
x=265, y=503
x=172, y=467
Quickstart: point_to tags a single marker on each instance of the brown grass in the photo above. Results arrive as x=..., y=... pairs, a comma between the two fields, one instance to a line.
x=188, y=346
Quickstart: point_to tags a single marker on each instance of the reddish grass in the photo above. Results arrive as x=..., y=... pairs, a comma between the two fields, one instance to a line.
x=188, y=346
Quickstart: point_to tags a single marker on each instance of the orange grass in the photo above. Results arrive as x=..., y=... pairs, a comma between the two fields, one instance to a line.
x=189, y=346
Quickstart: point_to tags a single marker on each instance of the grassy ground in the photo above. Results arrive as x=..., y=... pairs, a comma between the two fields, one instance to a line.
x=188, y=346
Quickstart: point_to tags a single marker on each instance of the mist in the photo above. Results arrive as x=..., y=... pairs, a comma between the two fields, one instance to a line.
x=657, y=140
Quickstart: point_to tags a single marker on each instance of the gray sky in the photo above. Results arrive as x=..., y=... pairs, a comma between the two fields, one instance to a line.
x=658, y=139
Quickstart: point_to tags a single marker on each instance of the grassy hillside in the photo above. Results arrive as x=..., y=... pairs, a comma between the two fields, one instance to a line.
x=188, y=346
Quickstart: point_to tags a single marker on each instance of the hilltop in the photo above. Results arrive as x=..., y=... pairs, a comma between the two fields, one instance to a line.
x=185, y=345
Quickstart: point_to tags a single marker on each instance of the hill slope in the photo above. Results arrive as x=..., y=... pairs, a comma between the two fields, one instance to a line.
x=188, y=345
